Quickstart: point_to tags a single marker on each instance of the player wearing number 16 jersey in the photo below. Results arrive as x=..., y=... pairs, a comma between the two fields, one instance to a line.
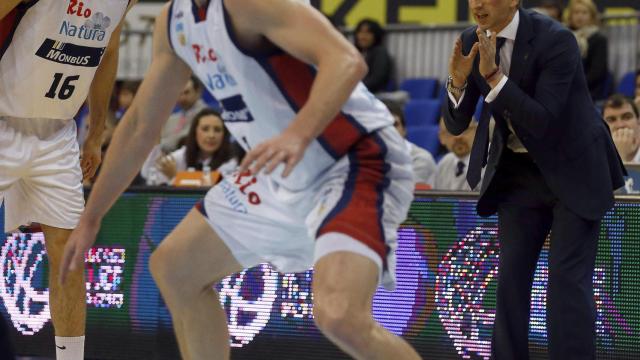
x=54, y=54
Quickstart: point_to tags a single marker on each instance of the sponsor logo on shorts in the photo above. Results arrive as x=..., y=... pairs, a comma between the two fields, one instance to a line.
x=322, y=207
x=70, y=54
x=232, y=196
x=239, y=193
x=235, y=110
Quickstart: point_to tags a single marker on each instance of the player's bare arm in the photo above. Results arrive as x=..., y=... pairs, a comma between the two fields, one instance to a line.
x=134, y=137
x=99, y=96
x=297, y=28
x=6, y=6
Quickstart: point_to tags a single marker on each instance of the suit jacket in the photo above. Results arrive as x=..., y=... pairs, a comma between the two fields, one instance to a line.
x=596, y=65
x=548, y=103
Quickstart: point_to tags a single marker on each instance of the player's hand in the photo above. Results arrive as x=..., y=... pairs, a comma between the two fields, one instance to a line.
x=80, y=240
x=91, y=158
x=460, y=66
x=487, y=49
x=287, y=148
x=167, y=165
x=626, y=142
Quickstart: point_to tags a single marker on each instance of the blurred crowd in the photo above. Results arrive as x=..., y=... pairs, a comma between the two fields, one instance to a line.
x=194, y=137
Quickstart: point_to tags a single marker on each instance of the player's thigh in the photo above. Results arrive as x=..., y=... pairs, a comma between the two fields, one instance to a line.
x=193, y=255
x=13, y=156
x=344, y=284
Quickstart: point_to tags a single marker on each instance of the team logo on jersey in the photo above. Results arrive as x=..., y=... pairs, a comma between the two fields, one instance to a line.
x=235, y=110
x=203, y=54
x=93, y=29
x=77, y=8
x=180, y=30
x=220, y=80
x=70, y=54
x=99, y=21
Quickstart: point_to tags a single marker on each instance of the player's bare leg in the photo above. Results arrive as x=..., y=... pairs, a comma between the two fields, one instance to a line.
x=67, y=302
x=343, y=287
x=185, y=266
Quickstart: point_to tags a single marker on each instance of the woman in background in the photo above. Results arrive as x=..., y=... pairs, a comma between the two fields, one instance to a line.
x=207, y=144
x=582, y=18
x=369, y=37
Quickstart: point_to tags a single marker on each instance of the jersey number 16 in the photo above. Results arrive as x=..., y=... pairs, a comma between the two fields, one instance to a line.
x=66, y=89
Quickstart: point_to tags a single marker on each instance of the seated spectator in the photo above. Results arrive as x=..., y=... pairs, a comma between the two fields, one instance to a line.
x=190, y=103
x=637, y=92
x=583, y=19
x=621, y=114
x=369, y=37
x=126, y=92
x=424, y=167
x=452, y=168
x=207, y=144
x=551, y=8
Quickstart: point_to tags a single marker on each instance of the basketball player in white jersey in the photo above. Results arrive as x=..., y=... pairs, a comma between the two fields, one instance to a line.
x=330, y=179
x=54, y=54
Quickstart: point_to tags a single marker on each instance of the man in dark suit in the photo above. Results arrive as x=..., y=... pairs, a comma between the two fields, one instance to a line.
x=551, y=167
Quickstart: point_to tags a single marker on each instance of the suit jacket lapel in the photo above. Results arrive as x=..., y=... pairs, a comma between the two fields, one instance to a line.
x=522, y=48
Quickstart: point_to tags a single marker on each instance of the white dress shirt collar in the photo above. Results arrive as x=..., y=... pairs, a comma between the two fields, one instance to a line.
x=510, y=31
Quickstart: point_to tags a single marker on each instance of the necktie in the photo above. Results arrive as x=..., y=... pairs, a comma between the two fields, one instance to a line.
x=481, y=142
x=459, y=168
x=182, y=122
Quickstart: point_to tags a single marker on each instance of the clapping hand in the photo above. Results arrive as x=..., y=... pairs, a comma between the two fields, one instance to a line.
x=460, y=65
x=487, y=49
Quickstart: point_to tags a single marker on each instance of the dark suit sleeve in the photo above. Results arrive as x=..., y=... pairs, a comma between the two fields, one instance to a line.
x=457, y=120
x=558, y=66
x=597, y=60
x=379, y=69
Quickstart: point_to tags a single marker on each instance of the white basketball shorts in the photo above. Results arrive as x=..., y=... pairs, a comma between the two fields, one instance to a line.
x=356, y=206
x=40, y=175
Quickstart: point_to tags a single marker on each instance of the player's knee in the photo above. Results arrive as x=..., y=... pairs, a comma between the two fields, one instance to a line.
x=339, y=321
x=160, y=268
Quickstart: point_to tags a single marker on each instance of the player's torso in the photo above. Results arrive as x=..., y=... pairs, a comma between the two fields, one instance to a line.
x=262, y=93
x=50, y=53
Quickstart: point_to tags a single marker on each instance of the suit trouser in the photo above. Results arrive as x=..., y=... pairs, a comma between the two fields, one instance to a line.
x=527, y=212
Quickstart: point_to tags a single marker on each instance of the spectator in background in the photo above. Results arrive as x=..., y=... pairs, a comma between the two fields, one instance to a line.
x=207, y=144
x=637, y=92
x=424, y=167
x=583, y=19
x=177, y=126
x=452, y=168
x=551, y=8
x=126, y=91
x=369, y=36
x=621, y=114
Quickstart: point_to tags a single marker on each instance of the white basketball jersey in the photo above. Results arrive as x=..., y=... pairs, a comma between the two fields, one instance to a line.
x=261, y=93
x=49, y=53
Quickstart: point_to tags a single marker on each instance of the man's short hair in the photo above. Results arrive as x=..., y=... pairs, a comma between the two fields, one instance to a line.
x=131, y=86
x=556, y=4
x=396, y=110
x=197, y=85
x=617, y=101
